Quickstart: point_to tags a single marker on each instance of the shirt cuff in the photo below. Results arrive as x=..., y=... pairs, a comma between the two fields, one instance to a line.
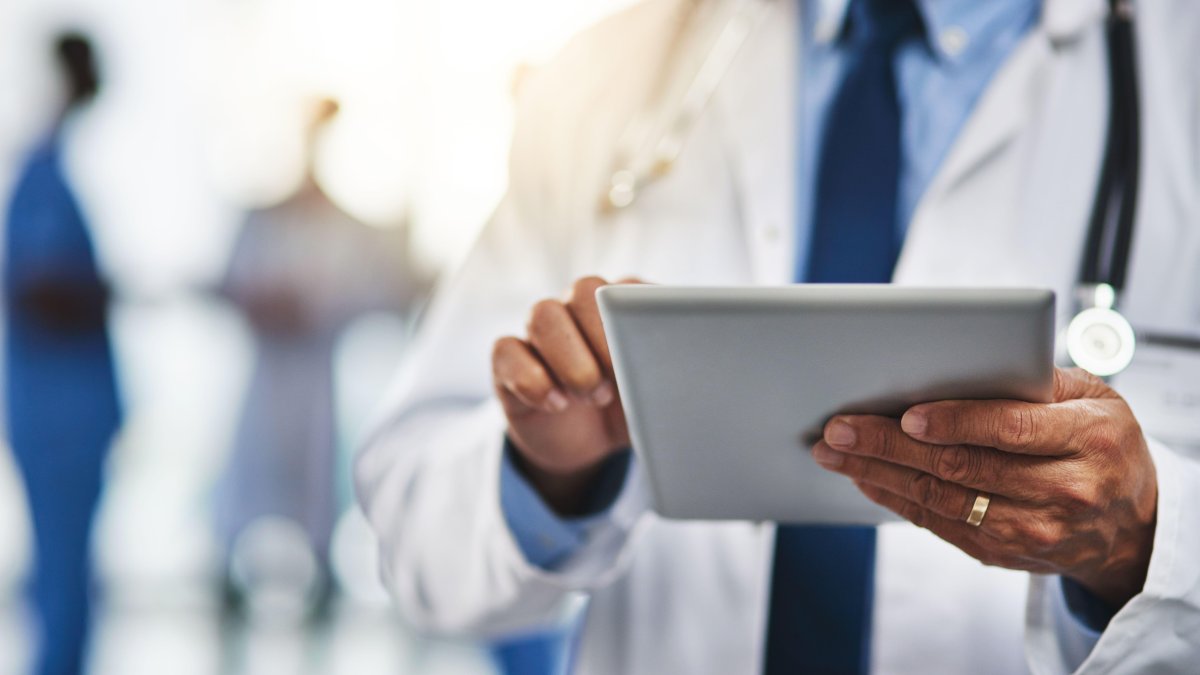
x=1073, y=638
x=546, y=539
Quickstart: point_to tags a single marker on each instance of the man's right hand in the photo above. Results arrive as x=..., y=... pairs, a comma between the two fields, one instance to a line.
x=558, y=392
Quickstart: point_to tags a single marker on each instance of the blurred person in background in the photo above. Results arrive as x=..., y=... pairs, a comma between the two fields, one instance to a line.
x=301, y=271
x=61, y=391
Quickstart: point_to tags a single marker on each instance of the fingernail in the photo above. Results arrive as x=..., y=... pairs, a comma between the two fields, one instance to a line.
x=827, y=457
x=840, y=435
x=556, y=401
x=914, y=422
x=603, y=394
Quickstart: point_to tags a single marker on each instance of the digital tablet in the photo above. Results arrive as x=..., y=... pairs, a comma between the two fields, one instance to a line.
x=726, y=389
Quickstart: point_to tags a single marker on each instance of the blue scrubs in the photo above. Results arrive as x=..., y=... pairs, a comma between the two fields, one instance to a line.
x=61, y=398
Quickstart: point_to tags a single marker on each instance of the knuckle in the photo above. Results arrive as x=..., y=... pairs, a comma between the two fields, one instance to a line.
x=544, y=315
x=503, y=346
x=1076, y=497
x=1104, y=440
x=585, y=287
x=1003, y=530
x=531, y=384
x=1012, y=550
x=925, y=489
x=1018, y=426
x=956, y=464
x=507, y=357
x=582, y=376
x=1040, y=534
x=915, y=515
x=1085, y=383
x=881, y=438
x=1058, y=533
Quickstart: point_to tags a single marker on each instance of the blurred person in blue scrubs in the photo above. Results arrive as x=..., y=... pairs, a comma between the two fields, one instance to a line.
x=300, y=273
x=61, y=392
x=540, y=653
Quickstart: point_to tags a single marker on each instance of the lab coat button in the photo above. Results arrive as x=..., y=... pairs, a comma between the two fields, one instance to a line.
x=953, y=40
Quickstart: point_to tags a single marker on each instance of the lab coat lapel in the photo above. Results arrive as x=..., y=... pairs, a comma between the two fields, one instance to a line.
x=1001, y=114
x=952, y=239
x=1010, y=102
x=755, y=113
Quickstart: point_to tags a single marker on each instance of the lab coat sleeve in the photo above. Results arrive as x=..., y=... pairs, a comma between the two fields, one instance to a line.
x=1157, y=630
x=429, y=476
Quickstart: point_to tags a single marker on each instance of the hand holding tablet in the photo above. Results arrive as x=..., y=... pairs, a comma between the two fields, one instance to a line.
x=940, y=405
x=557, y=389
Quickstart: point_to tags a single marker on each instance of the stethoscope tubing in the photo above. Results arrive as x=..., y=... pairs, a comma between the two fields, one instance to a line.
x=1111, y=225
x=1169, y=340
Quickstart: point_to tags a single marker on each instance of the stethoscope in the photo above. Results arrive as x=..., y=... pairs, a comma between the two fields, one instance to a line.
x=1098, y=338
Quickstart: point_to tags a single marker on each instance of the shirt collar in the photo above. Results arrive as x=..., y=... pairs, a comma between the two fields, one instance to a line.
x=954, y=29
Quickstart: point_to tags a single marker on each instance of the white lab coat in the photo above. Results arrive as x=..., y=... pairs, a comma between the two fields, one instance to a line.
x=1009, y=207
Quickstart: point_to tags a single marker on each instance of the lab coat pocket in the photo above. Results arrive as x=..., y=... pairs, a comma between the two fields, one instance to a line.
x=1162, y=385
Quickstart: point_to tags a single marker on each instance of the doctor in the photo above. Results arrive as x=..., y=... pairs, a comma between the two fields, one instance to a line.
x=1053, y=538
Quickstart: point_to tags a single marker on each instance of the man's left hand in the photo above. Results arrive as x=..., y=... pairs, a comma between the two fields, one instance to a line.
x=1072, y=485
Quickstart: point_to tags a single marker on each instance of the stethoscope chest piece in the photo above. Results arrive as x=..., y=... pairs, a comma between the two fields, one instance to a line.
x=1099, y=339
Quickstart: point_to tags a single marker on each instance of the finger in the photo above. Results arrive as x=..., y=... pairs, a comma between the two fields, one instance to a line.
x=555, y=336
x=581, y=302
x=1075, y=383
x=920, y=516
x=976, y=467
x=972, y=540
x=1009, y=536
x=522, y=379
x=946, y=499
x=1011, y=426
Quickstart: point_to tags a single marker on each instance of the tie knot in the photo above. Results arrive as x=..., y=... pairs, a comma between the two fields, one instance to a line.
x=882, y=23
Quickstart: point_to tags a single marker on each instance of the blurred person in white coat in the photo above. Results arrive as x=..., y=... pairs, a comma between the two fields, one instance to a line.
x=499, y=479
x=301, y=272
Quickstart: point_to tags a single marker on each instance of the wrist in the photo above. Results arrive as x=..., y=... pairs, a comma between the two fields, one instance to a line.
x=1113, y=592
x=1125, y=576
x=565, y=490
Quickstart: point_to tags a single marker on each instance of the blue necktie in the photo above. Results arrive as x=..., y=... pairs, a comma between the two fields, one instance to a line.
x=822, y=584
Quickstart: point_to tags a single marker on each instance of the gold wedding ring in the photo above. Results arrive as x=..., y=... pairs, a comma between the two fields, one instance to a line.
x=979, y=510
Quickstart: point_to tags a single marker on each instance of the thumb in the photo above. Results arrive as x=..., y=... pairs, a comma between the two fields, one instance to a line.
x=1075, y=383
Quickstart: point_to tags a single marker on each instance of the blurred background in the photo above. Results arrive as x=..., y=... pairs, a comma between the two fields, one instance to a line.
x=221, y=219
